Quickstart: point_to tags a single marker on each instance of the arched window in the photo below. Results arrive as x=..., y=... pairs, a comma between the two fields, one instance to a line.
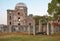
x=18, y=23
x=18, y=13
x=10, y=17
x=10, y=23
x=29, y=23
x=18, y=18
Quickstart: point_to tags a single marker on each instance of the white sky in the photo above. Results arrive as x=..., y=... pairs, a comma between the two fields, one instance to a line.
x=35, y=7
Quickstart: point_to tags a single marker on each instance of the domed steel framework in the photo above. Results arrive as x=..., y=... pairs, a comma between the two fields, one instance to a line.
x=21, y=4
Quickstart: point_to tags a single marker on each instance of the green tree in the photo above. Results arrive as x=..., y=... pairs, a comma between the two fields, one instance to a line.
x=36, y=19
x=43, y=19
x=54, y=8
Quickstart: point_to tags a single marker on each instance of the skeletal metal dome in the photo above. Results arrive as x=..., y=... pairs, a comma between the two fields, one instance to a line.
x=21, y=4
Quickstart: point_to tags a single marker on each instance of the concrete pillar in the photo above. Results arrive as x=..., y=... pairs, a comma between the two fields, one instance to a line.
x=2, y=29
x=47, y=28
x=40, y=26
x=44, y=28
x=34, y=32
x=10, y=28
x=52, y=29
x=33, y=29
x=29, y=29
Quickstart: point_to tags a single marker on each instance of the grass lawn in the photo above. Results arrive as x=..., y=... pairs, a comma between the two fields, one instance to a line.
x=20, y=37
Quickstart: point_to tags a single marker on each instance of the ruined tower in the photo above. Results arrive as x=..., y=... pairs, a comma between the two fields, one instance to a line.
x=16, y=17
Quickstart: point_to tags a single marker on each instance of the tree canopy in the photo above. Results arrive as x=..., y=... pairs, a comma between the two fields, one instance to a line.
x=36, y=19
x=43, y=19
x=54, y=8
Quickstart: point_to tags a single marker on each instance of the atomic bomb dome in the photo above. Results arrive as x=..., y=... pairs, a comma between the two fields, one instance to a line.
x=21, y=4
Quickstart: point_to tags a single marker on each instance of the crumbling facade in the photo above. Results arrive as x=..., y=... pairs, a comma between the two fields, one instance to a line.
x=19, y=21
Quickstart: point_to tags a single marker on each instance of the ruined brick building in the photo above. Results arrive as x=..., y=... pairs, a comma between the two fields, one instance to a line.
x=19, y=21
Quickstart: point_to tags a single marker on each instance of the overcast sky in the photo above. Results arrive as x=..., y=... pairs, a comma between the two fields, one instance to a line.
x=35, y=7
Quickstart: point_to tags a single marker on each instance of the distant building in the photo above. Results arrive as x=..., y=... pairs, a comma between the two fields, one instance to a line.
x=3, y=28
